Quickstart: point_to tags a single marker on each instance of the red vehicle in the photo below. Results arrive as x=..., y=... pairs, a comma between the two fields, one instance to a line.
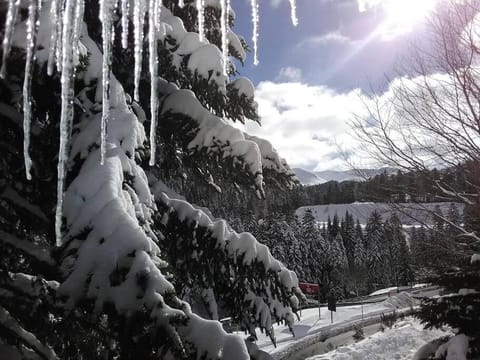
x=309, y=289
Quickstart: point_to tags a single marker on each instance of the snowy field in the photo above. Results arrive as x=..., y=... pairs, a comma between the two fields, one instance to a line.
x=399, y=343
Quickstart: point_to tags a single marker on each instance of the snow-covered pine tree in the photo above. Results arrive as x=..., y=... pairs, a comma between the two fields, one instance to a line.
x=99, y=263
x=348, y=234
x=359, y=272
x=375, y=251
x=313, y=247
x=334, y=227
x=275, y=232
x=398, y=257
x=338, y=259
x=455, y=269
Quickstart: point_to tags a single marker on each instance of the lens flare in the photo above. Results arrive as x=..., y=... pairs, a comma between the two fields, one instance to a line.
x=403, y=15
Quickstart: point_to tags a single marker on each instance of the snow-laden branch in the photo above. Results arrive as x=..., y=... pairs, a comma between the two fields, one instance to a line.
x=452, y=193
x=30, y=340
x=31, y=286
x=16, y=199
x=221, y=256
x=215, y=135
x=39, y=252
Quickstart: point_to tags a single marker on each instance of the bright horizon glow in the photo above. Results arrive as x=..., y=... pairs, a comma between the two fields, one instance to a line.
x=403, y=15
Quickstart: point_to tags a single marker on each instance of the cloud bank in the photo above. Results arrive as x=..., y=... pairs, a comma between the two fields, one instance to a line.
x=309, y=125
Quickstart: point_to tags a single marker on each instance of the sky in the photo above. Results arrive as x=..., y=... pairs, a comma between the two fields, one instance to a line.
x=311, y=78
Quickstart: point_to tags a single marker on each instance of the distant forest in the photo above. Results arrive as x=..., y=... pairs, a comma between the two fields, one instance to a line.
x=399, y=187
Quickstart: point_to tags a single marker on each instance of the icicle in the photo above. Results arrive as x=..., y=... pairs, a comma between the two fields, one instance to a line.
x=106, y=12
x=138, y=21
x=153, y=23
x=181, y=3
x=77, y=26
x=158, y=13
x=7, y=40
x=255, y=19
x=201, y=18
x=59, y=50
x=32, y=27
x=125, y=12
x=66, y=114
x=293, y=6
x=223, y=25
x=54, y=13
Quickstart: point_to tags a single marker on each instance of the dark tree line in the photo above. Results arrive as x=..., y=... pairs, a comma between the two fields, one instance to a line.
x=346, y=258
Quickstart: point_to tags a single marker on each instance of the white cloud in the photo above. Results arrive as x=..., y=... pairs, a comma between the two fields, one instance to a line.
x=307, y=124
x=289, y=74
x=364, y=5
x=333, y=37
x=275, y=3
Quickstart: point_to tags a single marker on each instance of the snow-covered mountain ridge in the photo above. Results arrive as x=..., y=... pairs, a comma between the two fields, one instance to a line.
x=308, y=178
x=319, y=177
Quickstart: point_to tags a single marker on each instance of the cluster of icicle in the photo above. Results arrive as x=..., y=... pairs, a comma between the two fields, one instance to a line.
x=67, y=20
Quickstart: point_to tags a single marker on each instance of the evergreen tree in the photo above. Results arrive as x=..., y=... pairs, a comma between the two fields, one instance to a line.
x=334, y=227
x=339, y=261
x=338, y=253
x=375, y=251
x=348, y=234
x=359, y=271
x=315, y=247
x=359, y=232
x=398, y=259
x=134, y=269
x=460, y=308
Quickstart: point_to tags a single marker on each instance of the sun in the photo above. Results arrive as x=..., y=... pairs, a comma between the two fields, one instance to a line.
x=402, y=15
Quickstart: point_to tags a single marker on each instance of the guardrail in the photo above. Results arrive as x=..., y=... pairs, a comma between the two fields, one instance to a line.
x=370, y=299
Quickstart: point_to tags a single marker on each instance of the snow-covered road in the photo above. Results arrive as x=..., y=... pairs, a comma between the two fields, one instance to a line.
x=310, y=324
x=311, y=330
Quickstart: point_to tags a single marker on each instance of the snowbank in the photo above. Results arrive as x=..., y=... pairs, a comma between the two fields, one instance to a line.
x=400, y=343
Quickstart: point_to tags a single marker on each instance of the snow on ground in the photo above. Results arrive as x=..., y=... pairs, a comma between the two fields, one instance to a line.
x=400, y=342
x=309, y=324
x=383, y=291
x=315, y=336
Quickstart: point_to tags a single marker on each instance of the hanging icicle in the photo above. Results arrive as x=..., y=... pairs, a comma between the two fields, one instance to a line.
x=125, y=7
x=32, y=28
x=138, y=21
x=7, y=40
x=201, y=18
x=54, y=13
x=106, y=12
x=255, y=20
x=293, y=7
x=66, y=114
x=154, y=9
x=223, y=25
x=158, y=13
x=59, y=50
x=78, y=24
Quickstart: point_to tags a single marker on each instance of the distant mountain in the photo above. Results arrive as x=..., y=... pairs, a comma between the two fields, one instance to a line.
x=307, y=177
x=319, y=177
x=353, y=175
